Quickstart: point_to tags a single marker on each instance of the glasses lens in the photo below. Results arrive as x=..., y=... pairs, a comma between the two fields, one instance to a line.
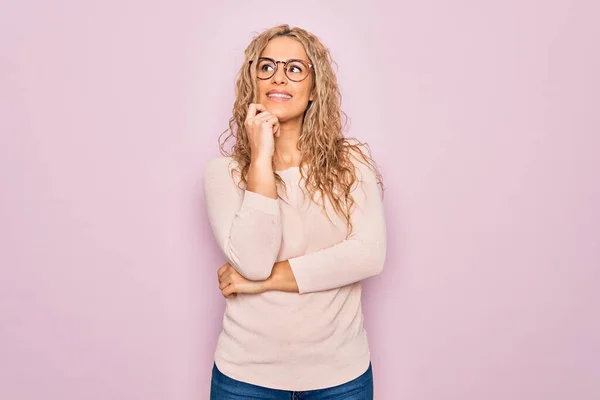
x=265, y=69
x=296, y=70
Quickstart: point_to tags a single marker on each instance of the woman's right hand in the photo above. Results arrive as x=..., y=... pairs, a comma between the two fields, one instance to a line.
x=261, y=127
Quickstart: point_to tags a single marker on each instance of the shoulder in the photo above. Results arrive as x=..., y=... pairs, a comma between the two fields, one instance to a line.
x=365, y=167
x=219, y=167
x=369, y=179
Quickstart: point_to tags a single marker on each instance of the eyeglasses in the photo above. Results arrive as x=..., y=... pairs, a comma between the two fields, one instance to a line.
x=295, y=70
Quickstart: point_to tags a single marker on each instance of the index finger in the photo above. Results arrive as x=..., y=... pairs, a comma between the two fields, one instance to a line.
x=260, y=108
x=222, y=270
x=254, y=109
x=251, y=111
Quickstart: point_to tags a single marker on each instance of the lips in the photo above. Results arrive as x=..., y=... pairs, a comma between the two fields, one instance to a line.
x=278, y=94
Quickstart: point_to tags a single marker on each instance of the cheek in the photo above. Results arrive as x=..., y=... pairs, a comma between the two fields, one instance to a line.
x=305, y=88
x=261, y=90
x=303, y=95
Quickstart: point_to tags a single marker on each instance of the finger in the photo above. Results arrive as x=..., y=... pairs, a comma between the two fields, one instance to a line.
x=271, y=120
x=230, y=270
x=260, y=118
x=224, y=281
x=251, y=112
x=231, y=296
x=255, y=110
x=226, y=277
x=228, y=290
x=223, y=269
x=260, y=108
x=274, y=122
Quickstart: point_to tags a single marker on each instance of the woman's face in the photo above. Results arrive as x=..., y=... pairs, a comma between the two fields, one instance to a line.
x=283, y=97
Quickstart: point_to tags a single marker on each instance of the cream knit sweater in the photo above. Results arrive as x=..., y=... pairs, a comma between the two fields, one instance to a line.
x=295, y=341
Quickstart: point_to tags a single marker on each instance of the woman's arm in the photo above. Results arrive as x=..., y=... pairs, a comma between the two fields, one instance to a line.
x=261, y=179
x=246, y=224
x=282, y=279
x=360, y=256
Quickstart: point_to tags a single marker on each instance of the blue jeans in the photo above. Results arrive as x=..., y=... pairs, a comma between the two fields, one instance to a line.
x=224, y=388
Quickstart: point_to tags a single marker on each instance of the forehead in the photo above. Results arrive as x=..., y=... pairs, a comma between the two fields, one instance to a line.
x=284, y=48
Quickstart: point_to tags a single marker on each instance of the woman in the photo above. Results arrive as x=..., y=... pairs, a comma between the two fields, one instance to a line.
x=296, y=209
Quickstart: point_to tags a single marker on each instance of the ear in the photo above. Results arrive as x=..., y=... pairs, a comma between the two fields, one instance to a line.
x=313, y=95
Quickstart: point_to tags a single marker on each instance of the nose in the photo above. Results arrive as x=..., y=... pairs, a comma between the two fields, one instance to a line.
x=279, y=77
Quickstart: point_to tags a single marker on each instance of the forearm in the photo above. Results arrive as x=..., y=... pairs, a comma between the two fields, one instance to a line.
x=282, y=279
x=260, y=178
x=246, y=225
x=348, y=262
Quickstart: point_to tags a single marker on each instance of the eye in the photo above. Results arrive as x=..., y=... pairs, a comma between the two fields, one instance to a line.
x=295, y=68
x=266, y=67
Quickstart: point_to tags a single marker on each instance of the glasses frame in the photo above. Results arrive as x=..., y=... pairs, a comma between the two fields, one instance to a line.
x=285, y=62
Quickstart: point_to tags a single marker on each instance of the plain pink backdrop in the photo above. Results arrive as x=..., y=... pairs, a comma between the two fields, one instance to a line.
x=484, y=117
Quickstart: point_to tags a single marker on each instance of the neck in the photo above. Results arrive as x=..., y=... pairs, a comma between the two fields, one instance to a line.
x=286, y=145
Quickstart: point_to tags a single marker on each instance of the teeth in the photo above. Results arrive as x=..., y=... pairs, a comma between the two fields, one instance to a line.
x=285, y=96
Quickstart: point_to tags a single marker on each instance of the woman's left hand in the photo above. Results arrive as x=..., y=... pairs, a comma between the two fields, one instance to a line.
x=231, y=282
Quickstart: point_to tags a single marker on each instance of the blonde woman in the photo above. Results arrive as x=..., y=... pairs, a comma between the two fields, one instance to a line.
x=297, y=210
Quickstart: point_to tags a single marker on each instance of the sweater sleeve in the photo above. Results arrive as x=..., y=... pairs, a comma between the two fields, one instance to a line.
x=246, y=225
x=360, y=256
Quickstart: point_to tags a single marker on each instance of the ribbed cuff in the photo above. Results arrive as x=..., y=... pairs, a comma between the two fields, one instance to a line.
x=302, y=278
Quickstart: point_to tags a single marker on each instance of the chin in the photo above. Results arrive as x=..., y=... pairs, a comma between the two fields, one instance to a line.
x=277, y=111
x=281, y=111
x=285, y=117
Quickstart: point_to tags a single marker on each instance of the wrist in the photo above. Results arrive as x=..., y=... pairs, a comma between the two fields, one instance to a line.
x=265, y=286
x=282, y=278
x=261, y=161
x=260, y=177
x=271, y=283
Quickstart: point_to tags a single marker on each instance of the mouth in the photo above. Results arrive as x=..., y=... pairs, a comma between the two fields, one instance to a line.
x=278, y=95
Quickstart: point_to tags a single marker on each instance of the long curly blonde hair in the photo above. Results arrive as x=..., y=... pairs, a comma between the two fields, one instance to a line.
x=325, y=151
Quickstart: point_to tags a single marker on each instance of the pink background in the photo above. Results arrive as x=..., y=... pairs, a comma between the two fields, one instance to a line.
x=483, y=115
